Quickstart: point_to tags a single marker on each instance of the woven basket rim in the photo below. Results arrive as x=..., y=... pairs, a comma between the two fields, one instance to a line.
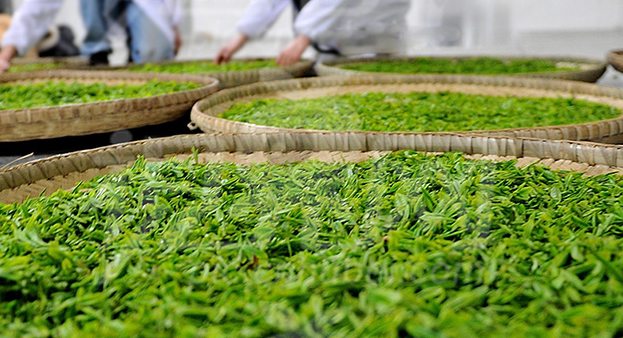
x=615, y=59
x=302, y=63
x=26, y=179
x=579, y=59
x=235, y=78
x=591, y=70
x=100, y=116
x=161, y=142
x=78, y=74
x=198, y=114
x=617, y=52
x=87, y=74
x=65, y=60
x=596, y=63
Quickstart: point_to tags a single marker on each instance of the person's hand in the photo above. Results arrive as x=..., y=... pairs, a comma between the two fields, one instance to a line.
x=225, y=54
x=292, y=53
x=6, y=55
x=4, y=66
x=177, y=41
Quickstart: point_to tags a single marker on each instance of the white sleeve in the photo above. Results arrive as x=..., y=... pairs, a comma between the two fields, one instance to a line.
x=176, y=18
x=30, y=24
x=319, y=17
x=329, y=19
x=259, y=16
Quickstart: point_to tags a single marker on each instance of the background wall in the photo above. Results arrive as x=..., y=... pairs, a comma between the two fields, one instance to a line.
x=565, y=15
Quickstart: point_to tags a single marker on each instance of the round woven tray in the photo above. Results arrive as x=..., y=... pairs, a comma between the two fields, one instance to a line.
x=204, y=113
x=590, y=69
x=64, y=171
x=243, y=77
x=97, y=117
x=615, y=58
x=73, y=62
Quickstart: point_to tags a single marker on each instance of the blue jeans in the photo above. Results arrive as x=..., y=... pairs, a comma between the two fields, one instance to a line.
x=145, y=40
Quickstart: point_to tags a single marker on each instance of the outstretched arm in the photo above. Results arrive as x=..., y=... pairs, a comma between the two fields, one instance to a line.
x=225, y=54
x=30, y=23
x=6, y=55
x=316, y=19
x=293, y=52
x=259, y=16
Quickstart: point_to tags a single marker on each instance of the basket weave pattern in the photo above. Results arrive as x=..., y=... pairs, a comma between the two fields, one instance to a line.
x=73, y=62
x=97, y=117
x=243, y=77
x=204, y=113
x=615, y=58
x=590, y=70
x=64, y=171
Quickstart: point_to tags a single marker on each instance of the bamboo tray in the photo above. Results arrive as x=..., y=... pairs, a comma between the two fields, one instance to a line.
x=65, y=171
x=243, y=77
x=615, y=59
x=72, y=62
x=204, y=113
x=590, y=70
x=97, y=117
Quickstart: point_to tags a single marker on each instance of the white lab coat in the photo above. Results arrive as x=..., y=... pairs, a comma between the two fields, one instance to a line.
x=350, y=26
x=32, y=20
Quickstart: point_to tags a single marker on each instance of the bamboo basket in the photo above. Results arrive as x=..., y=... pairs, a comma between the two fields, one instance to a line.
x=204, y=113
x=239, y=78
x=65, y=171
x=590, y=70
x=615, y=59
x=73, y=62
x=97, y=117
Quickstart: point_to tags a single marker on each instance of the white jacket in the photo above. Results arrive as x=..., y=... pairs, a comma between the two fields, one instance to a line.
x=32, y=20
x=350, y=26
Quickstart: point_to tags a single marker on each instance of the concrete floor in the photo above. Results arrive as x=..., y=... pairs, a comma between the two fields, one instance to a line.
x=583, y=44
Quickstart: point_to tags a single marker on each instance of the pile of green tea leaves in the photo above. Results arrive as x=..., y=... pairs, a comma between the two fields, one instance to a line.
x=203, y=67
x=55, y=93
x=418, y=112
x=405, y=245
x=477, y=65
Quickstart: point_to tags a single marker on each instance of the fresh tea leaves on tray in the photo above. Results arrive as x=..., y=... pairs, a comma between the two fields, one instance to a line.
x=478, y=65
x=202, y=67
x=407, y=245
x=55, y=93
x=418, y=112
